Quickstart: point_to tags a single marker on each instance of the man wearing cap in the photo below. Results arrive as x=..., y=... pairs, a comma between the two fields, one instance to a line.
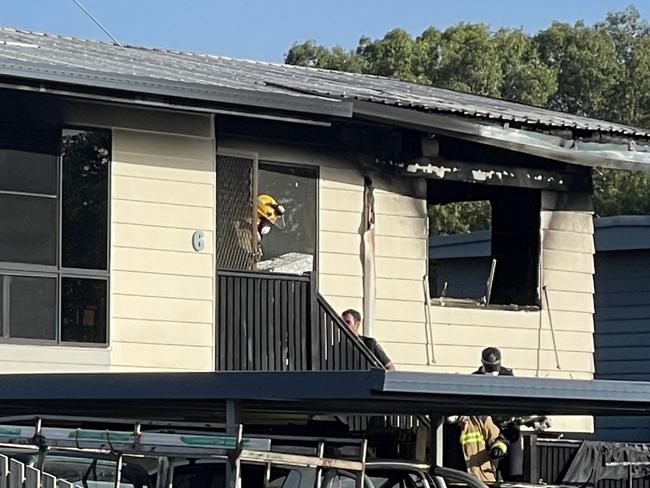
x=512, y=466
x=491, y=363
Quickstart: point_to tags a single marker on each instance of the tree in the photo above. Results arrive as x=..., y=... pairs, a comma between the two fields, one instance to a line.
x=600, y=71
x=526, y=79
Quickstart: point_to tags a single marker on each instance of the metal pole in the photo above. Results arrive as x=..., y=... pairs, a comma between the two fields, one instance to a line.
x=118, y=471
x=319, y=470
x=550, y=322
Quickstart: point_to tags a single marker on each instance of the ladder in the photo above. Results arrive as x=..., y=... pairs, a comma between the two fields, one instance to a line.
x=175, y=439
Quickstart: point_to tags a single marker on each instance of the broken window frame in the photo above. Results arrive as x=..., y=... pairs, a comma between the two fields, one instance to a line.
x=529, y=203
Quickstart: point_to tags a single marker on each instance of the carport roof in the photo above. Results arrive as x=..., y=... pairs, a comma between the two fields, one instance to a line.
x=203, y=395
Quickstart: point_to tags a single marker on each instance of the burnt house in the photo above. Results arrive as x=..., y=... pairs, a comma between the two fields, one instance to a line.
x=129, y=176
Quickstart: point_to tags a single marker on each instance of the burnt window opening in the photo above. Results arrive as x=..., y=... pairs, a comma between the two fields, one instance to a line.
x=475, y=229
x=290, y=245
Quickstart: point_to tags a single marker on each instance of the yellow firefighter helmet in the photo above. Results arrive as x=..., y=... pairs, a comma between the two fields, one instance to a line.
x=268, y=208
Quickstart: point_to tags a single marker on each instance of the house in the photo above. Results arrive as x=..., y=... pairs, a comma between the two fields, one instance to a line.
x=622, y=321
x=130, y=176
x=621, y=314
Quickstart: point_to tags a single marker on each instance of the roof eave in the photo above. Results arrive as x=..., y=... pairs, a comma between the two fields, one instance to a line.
x=572, y=151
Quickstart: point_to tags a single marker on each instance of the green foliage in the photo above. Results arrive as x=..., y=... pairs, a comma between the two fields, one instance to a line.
x=461, y=217
x=600, y=71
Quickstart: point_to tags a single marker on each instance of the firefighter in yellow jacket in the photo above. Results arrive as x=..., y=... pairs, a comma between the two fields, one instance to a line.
x=482, y=445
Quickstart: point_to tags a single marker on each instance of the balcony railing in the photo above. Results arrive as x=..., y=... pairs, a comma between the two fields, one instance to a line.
x=277, y=322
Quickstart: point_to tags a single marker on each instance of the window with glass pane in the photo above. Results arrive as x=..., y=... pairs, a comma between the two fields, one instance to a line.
x=28, y=307
x=51, y=176
x=295, y=231
x=83, y=310
x=85, y=158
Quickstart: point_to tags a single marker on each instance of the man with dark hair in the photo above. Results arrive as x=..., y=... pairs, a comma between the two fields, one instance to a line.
x=353, y=320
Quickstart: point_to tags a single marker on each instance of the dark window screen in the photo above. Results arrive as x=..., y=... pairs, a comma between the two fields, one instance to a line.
x=28, y=229
x=235, y=239
x=30, y=307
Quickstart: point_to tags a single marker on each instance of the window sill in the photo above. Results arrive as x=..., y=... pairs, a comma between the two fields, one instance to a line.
x=46, y=343
x=469, y=303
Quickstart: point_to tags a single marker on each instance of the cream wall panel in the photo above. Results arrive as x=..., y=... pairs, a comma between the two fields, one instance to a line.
x=568, y=261
x=399, y=311
x=340, y=264
x=444, y=335
x=400, y=205
x=346, y=200
x=400, y=247
x=152, y=260
x=50, y=359
x=165, y=357
x=18, y=358
x=570, y=301
x=505, y=319
x=167, y=309
x=340, y=221
x=153, y=145
x=157, y=332
x=163, y=191
x=159, y=238
x=341, y=179
x=454, y=356
x=339, y=242
x=582, y=222
x=162, y=285
x=162, y=291
x=400, y=289
x=400, y=226
x=568, y=281
x=338, y=285
x=568, y=241
x=27, y=367
x=523, y=372
x=162, y=167
x=399, y=267
x=162, y=215
x=571, y=423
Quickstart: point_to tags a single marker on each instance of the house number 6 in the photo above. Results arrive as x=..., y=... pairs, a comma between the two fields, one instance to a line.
x=198, y=241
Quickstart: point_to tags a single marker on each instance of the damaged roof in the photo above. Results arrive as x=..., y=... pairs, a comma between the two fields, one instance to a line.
x=47, y=57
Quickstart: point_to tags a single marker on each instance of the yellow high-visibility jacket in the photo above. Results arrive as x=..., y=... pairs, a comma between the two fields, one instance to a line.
x=477, y=436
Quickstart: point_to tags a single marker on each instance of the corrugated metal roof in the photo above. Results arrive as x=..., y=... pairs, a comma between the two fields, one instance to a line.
x=35, y=55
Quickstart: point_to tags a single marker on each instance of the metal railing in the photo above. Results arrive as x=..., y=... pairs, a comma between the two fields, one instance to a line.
x=279, y=322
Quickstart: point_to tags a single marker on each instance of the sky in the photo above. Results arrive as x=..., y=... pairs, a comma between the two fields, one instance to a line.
x=265, y=29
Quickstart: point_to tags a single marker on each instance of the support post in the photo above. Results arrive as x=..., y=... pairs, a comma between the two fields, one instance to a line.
x=233, y=427
x=531, y=459
x=435, y=442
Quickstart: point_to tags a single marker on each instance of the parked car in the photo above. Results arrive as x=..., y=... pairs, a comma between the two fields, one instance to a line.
x=83, y=469
x=211, y=473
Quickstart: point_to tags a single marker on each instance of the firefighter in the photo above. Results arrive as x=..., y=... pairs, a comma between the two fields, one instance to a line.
x=268, y=212
x=482, y=445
